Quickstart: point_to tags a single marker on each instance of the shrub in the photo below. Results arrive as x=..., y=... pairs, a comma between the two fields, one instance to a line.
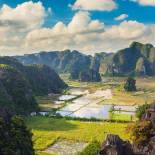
x=15, y=138
x=92, y=149
x=130, y=84
x=141, y=110
x=140, y=132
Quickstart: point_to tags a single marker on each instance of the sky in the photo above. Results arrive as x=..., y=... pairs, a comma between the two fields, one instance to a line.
x=88, y=26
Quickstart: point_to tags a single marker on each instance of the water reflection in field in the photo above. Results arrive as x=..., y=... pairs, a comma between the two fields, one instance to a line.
x=88, y=106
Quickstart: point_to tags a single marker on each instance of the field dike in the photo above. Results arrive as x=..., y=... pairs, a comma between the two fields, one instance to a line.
x=65, y=147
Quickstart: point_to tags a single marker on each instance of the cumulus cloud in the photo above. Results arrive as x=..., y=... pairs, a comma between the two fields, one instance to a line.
x=28, y=15
x=121, y=17
x=145, y=2
x=79, y=31
x=127, y=30
x=24, y=32
x=87, y=35
x=16, y=22
x=94, y=5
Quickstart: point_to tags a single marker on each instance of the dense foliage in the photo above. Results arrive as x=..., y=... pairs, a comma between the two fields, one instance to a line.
x=15, y=138
x=92, y=149
x=16, y=92
x=20, y=83
x=130, y=84
x=141, y=110
x=140, y=132
x=44, y=80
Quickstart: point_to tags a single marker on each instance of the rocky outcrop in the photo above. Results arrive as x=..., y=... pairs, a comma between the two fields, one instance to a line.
x=137, y=59
x=89, y=76
x=150, y=114
x=113, y=145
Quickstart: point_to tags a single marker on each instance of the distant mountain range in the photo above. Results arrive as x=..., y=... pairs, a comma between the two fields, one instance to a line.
x=137, y=59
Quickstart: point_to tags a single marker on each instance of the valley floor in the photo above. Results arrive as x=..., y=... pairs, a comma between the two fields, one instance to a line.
x=47, y=131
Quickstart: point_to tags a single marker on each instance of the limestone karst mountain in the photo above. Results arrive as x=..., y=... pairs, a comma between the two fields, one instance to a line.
x=137, y=59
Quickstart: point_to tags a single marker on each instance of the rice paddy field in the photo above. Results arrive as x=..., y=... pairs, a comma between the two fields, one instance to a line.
x=145, y=89
x=46, y=131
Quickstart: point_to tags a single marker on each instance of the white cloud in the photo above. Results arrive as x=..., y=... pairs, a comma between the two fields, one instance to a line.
x=121, y=17
x=16, y=22
x=87, y=35
x=82, y=22
x=145, y=2
x=27, y=34
x=94, y=5
x=25, y=16
x=127, y=30
x=75, y=35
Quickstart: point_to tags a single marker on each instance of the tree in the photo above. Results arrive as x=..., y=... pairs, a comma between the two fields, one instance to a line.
x=141, y=110
x=130, y=84
x=15, y=138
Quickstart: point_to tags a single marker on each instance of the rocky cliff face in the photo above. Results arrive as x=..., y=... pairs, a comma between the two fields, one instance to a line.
x=138, y=59
x=64, y=61
x=134, y=60
x=68, y=61
x=89, y=76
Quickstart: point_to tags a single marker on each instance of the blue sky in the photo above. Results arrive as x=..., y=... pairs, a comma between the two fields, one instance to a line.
x=61, y=11
x=29, y=26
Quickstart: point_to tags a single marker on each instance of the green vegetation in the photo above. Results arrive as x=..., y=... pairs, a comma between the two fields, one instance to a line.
x=130, y=84
x=141, y=110
x=15, y=91
x=43, y=153
x=19, y=83
x=141, y=56
x=47, y=130
x=15, y=138
x=140, y=132
x=92, y=149
x=44, y=80
x=120, y=117
x=145, y=89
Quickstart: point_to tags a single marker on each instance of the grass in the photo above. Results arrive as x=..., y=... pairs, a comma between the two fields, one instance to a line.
x=43, y=153
x=125, y=98
x=121, y=117
x=48, y=130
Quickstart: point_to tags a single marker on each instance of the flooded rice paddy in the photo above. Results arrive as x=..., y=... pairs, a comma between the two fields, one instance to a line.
x=88, y=106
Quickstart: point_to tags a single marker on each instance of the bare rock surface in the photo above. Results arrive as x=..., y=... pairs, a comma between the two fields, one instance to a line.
x=113, y=145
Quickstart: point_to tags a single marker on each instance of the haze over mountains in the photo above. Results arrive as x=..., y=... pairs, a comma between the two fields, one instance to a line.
x=137, y=59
